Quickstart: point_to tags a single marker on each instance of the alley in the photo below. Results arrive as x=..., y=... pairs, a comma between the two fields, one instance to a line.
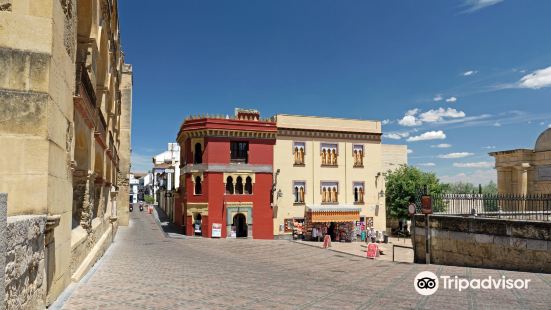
x=145, y=270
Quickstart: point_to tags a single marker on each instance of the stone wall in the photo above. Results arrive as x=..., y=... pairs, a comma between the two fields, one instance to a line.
x=3, y=242
x=25, y=272
x=484, y=242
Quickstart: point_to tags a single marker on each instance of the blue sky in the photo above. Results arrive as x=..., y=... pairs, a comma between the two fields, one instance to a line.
x=451, y=79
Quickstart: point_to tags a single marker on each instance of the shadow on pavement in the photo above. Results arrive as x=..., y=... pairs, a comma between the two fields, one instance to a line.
x=168, y=227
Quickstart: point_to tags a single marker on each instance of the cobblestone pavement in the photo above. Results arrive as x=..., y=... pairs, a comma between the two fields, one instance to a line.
x=145, y=270
x=360, y=249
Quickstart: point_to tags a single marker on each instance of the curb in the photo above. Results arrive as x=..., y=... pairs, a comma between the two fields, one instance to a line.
x=167, y=235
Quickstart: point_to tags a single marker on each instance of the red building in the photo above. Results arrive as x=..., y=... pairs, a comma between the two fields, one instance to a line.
x=226, y=175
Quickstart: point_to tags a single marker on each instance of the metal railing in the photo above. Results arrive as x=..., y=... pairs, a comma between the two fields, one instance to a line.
x=506, y=206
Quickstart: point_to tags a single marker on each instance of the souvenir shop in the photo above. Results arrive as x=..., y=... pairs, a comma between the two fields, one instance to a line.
x=337, y=221
x=295, y=226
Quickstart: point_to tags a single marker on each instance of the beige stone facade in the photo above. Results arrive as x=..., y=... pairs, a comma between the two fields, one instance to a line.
x=329, y=162
x=65, y=126
x=525, y=171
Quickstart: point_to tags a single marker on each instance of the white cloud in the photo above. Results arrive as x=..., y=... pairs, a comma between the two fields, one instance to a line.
x=438, y=115
x=537, y=79
x=427, y=164
x=392, y=136
x=409, y=121
x=438, y=98
x=441, y=146
x=470, y=72
x=480, y=164
x=477, y=177
x=456, y=155
x=475, y=5
x=497, y=124
x=429, y=135
x=489, y=147
x=386, y=122
x=542, y=123
x=451, y=99
x=549, y=125
x=409, y=151
x=411, y=118
x=396, y=135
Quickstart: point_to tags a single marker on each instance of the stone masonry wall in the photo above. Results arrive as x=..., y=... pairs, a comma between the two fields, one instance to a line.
x=3, y=219
x=483, y=242
x=25, y=273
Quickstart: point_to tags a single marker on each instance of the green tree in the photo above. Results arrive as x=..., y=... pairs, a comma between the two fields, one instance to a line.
x=403, y=186
x=461, y=188
x=490, y=188
x=148, y=199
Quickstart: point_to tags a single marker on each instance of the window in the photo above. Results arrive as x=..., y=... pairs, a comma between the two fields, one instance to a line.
x=239, y=152
x=298, y=153
x=329, y=154
x=329, y=192
x=198, y=189
x=299, y=188
x=198, y=154
x=358, y=192
x=248, y=186
x=239, y=186
x=229, y=185
x=358, y=155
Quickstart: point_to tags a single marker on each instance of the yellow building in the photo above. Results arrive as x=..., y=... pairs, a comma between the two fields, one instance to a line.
x=525, y=171
x=66, y=97
x=330, y=170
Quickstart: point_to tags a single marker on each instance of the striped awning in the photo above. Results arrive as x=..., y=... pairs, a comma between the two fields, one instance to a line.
x=333, y=213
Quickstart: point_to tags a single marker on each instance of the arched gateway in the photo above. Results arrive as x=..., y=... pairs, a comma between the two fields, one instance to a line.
x=240, y=223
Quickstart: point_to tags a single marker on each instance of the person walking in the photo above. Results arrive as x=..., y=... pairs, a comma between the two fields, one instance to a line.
x=372, y=235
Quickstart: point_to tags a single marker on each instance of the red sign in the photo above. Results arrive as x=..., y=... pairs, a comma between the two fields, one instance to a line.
x=372, y=250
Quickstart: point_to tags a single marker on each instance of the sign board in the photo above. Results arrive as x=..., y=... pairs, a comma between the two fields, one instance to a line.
x=372, y=250
x=426, y=203
x=216, y=230
x=411, y=209
x=169, y=170
x=544, y=173
x=197, y=228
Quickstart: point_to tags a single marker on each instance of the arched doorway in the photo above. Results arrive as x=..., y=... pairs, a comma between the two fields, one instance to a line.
x=197, y=225
x=240, y=223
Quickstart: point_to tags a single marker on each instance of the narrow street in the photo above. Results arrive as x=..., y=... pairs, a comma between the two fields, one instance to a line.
x=145, y=270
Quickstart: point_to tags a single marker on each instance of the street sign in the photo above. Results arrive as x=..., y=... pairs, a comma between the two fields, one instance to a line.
x=411, y=209
x=216, y=230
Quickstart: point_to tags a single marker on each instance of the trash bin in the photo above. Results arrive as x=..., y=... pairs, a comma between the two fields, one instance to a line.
x=385, y=238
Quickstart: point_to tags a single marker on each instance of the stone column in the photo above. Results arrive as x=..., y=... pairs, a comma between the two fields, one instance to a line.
x=3, y=234
x=524, y=178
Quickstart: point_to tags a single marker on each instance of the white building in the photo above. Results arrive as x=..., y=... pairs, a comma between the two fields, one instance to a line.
x=166, y=169
x=133, y=190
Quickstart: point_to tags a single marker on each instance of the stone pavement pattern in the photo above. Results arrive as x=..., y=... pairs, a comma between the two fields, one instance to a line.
x=145, y=270
x=360, y=249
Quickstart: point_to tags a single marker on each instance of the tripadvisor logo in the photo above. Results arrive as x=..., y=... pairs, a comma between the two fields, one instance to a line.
x=427, y=283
